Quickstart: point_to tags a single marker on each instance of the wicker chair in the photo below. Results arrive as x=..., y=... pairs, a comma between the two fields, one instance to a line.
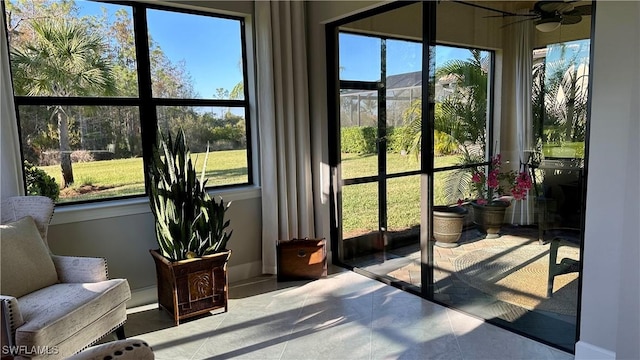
x=52, y=306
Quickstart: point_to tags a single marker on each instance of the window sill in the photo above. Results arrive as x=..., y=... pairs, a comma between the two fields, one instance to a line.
x=115, y=208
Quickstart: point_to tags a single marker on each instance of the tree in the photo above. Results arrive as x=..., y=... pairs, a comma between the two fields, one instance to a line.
x=20, y=13
x=64, y=59
x=466, y=110
x=559, y=96
x=237, y=93
x=461, y=117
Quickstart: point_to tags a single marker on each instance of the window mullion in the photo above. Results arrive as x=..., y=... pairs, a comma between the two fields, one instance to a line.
x=148, y=116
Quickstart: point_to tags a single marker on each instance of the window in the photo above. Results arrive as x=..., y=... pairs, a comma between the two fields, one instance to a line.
x=94, y=82
x=559, y=98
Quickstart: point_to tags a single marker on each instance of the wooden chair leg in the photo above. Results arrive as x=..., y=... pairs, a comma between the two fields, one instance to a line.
x=120, y=333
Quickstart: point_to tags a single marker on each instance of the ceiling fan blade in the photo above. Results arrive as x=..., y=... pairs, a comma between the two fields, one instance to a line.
x=553, y=7
x=582, y=10
x=511, y=15
x=570, y=19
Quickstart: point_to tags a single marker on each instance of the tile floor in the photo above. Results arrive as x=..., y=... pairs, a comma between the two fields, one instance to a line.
x=345, y=316
x=403, y=263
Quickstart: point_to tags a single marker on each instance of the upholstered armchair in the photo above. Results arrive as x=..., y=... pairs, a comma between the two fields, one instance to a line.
x=52, y=306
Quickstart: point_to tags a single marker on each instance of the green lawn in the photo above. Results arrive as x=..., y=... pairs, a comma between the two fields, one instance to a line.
x=113, y=178
x=572, y=150
x=360, y=202
x=109, y=178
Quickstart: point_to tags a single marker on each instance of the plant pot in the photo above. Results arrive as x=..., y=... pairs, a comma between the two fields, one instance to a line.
x=192, y=287
x=448, y=223
x=490, y=217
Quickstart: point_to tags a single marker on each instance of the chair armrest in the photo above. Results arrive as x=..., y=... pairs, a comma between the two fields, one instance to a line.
x=78, y=269
x=11, y=319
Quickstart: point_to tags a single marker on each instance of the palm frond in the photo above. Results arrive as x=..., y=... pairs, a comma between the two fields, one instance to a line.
x=456, y=185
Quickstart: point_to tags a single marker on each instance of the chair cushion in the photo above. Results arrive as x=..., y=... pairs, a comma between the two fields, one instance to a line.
x=26, y=263
x=57, y=312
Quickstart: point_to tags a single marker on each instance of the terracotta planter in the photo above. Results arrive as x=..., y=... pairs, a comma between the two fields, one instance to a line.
x=490, y=217
x=448, y=223
x=192, y=287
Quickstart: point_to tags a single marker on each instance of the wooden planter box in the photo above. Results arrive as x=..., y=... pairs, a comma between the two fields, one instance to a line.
x=192, y=287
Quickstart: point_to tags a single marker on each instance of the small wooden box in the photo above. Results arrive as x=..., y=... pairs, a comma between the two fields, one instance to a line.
x=301, y=259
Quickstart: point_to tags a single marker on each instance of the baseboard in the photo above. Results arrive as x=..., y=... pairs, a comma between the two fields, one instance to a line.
x=143, y=296
x=149, y=295
x=244, y=271
x=586, y=351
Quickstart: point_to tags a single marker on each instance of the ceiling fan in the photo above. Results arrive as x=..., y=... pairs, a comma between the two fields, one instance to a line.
x=548, y=15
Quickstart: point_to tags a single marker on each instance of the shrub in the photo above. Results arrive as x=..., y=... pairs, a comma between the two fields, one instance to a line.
x=444, y=144
x=362, y=140
x=79, y=156
x=399, y=138
x=49, y=157
x=358, y=139
x=40, y=183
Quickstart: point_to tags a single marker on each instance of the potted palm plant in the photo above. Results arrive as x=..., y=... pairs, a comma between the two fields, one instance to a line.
x=191, y=262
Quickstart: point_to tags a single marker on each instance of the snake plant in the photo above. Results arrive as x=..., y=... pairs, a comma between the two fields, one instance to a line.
x=189, y=223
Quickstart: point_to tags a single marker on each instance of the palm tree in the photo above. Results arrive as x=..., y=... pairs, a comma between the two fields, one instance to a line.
x=64, y=59
x=559, y=98
x=461, y=117
x=466, y=110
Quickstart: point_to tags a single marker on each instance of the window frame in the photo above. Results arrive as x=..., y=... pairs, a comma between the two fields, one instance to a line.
x=147, y=104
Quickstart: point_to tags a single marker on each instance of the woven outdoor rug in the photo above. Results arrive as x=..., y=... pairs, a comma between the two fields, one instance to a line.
x=518, y=275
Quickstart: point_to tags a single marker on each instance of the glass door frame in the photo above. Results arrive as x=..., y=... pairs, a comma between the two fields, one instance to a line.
x=426, y=169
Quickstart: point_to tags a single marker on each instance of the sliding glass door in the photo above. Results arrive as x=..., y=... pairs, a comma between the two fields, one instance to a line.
x=380, y=94
x=434, y=104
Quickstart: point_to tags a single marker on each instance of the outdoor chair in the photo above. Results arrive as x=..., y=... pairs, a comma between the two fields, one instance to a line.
x=52, y=306
x=562, y=237
x=556, y=227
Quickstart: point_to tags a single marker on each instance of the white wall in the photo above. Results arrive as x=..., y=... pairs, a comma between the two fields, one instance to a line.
x=610, y=295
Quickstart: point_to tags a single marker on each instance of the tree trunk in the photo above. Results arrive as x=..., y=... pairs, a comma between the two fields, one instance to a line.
x=65, y=150
x=571, y=106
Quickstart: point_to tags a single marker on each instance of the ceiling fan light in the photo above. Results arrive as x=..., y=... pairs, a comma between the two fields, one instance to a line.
x=548, y=25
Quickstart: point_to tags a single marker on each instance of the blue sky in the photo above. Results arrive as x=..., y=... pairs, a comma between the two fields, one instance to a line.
x=578, y=48
x=210, y=47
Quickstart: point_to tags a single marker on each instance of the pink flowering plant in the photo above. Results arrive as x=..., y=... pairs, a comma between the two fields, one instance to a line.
x=496, y=184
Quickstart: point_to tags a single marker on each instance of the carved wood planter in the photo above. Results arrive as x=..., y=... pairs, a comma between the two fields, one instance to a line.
x=192, y=287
